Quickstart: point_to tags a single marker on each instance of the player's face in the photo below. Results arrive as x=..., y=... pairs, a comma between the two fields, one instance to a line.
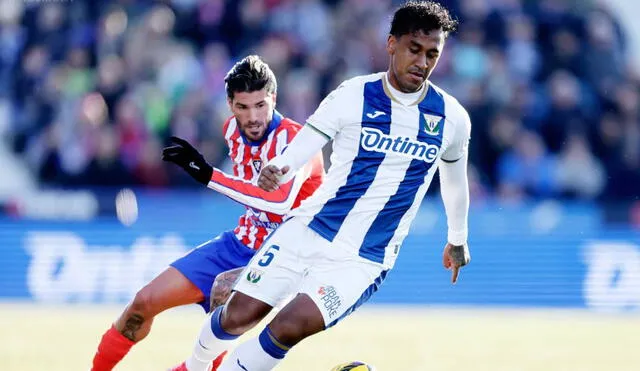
x=413, y=57
x=253, y=112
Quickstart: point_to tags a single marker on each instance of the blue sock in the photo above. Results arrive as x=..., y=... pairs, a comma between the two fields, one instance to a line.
x=271, y=345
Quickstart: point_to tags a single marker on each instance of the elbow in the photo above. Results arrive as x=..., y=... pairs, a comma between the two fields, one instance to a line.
x=282, y=208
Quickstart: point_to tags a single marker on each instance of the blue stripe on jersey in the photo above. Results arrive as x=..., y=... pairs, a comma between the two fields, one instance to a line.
x=363, y=298
x=386, y=222
x=376, y=113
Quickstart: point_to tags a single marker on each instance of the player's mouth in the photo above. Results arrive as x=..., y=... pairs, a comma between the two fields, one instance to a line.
x=254, y=130
x=417, y=76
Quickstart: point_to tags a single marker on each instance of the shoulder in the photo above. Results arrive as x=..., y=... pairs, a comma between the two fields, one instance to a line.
x=454, y=110
x=289, y=126
x=348, y=93
x=229, y=127
x=356, y=84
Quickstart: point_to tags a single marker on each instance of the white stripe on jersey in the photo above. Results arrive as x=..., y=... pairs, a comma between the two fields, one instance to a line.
x=253, y=231
x=231, y=128
x=238, y=160
x=282, y=142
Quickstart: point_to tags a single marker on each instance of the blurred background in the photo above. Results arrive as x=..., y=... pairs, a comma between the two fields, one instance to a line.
x=91, y=90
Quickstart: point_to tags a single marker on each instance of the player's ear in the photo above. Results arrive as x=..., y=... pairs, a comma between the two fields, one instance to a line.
x=230, y=103
x=392, y=43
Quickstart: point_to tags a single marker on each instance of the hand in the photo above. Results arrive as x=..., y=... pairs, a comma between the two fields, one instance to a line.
x=269, y=178
x=454, y=257
x=184, y=155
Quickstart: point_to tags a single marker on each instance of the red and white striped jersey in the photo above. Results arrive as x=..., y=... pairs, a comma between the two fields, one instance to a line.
x=264, y=210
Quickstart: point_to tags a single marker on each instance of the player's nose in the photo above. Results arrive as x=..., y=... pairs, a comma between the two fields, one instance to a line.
x=253, y=115
x=422, y=63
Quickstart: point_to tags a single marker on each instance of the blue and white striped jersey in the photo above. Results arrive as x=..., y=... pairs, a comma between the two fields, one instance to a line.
x=385, y=153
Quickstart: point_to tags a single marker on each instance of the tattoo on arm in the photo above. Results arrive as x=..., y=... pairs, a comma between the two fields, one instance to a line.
x=133, y=324
x=222, y=287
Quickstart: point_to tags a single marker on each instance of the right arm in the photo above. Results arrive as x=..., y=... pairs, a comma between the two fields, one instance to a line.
x=282, y=168
x=321, y=127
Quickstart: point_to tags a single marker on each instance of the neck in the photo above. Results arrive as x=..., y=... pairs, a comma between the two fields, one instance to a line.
x=391, y=78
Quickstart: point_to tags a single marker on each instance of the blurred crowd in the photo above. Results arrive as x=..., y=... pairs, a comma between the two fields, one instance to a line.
x=90, y=91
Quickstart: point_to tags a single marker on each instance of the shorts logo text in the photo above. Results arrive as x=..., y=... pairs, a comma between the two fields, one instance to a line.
x=330, y=299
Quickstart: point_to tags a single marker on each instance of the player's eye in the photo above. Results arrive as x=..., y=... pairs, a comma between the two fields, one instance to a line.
x=415, y=51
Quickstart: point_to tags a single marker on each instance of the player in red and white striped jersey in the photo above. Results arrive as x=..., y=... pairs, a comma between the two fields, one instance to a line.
x=255, y=134
x=264, y=210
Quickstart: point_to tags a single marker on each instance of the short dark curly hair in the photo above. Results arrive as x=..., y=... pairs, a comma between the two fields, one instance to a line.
x=248, y=75
x=425, y=16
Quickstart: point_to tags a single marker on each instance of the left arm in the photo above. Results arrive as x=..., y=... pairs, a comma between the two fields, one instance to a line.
x=454, y=188
x=280, y=202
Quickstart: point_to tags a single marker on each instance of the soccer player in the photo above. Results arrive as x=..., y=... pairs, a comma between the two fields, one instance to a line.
x=255, y=134
x=391, y=131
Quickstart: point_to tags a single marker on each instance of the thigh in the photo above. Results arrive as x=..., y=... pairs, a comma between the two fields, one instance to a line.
x=202, y=264
x=276, y=270
x=339, y=286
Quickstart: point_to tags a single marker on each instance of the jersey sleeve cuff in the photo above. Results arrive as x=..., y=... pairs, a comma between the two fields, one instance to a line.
x=457, y=237
x=318, y=130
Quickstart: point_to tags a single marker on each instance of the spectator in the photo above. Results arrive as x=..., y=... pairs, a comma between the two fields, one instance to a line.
x=93, y=89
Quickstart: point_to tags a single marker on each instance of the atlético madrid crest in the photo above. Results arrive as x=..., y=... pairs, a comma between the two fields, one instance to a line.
x=257, y=164
x=432, y=124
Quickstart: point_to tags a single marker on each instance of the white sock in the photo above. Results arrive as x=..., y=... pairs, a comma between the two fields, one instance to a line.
x=213, y=340
x=257, y=354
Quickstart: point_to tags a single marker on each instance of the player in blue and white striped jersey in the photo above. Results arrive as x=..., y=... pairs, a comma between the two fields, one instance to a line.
x=391, y=131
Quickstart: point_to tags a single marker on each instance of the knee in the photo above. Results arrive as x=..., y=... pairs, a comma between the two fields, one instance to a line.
x=143, y=302
x=290, y=330
x=238, y=318
x=237, y=322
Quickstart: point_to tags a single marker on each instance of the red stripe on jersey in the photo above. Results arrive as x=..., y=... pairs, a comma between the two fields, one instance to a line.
x=233, y=137
x=248, y=168
x=272, y=146
x=249, y=189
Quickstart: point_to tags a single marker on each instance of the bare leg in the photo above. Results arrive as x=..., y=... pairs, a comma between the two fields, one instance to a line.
x=297, y=320
x=169, y=289
x=242, y=313
x=223, y=286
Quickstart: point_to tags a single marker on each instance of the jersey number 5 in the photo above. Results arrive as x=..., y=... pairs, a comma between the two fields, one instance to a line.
x=268, y=255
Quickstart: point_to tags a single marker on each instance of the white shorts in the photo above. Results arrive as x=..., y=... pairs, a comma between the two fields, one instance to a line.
x=295, y=259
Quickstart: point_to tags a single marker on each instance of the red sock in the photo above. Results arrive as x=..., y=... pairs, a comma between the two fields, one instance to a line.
x=218, y=361
x=112, y=348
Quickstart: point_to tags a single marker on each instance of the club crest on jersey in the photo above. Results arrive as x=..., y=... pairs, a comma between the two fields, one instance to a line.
x=432, y=124
x=257, y=164
x=377, y=141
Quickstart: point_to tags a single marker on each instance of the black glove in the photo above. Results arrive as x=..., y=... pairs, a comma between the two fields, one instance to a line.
x=184, y=155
